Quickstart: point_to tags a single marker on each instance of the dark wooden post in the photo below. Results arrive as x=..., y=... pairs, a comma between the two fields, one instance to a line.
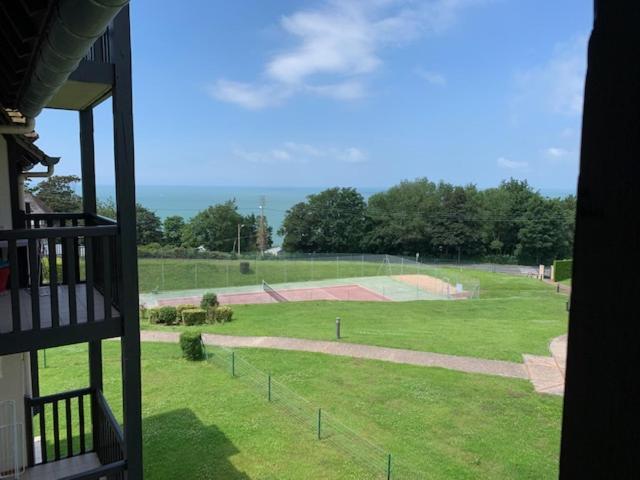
x=600, y=427
x=128, y=264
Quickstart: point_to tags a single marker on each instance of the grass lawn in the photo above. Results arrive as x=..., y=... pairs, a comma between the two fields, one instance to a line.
x=514, y=315
x=199, y=423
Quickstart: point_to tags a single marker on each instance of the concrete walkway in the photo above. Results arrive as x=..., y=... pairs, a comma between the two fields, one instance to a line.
x=546, y=373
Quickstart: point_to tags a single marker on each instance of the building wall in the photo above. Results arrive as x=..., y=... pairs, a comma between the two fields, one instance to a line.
x=5, y=196
x=15, y=376
x=14, y=385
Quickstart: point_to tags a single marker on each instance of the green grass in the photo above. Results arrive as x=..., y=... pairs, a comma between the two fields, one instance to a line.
x=514, y=315
x=199, y=423
x=179, y=274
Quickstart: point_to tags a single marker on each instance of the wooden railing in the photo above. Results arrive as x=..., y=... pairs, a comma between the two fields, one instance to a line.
x=106, y=438
x=46, y=253
x=100, y=51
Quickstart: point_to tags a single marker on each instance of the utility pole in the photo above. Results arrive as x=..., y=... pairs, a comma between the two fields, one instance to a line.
x=240, y=225
x=262, y=233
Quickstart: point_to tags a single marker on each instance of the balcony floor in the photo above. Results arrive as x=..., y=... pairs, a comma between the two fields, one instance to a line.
x=62, y=468
x=6, y=317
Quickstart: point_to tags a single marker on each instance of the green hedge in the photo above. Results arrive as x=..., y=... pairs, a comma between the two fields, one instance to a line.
x=209, y=300
x=167, y=315
x=194, y=316
x=562, y=269
x=191, y=345
x=223, y=314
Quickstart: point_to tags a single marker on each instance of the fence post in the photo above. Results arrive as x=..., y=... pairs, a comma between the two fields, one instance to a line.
x=337, y=267
x=233, y=364
x=389, y=467
x=401, y=265
x=362, y=266
x=196, y=265
x=162, y=273
x=269, y=391
x=319, y=423
x=227, y=274
x=337, y=328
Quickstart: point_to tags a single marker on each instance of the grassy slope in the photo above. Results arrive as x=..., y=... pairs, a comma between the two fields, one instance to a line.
x=514, y=315
x=199, y=423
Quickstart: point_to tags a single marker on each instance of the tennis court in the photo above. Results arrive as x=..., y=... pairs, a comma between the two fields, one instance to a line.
x=365, y=289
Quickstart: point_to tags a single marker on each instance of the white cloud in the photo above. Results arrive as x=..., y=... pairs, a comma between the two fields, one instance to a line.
x=351, y=155
x=292, y=152
x=556, y=152
x=511, y=164
x=558, y=84
x=252, y=97
x=434, y=78
x=341, y=42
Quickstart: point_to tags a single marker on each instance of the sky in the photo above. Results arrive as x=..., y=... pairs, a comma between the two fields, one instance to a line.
x=360, y=93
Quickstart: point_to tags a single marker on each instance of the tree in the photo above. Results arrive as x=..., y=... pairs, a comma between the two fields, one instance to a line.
x=215, y=228
x=456, y=227
x=543, y=234
x=148, y=223
x=399, y=218
x=173, y=228
x=57, y=193
x=333, y=220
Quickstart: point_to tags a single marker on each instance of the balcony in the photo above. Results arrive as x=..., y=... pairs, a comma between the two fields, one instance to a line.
x=63, y=282
x=91, y=82
x=73, y=435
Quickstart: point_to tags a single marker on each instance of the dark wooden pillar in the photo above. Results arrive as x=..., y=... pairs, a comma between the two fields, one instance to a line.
x=89, y=205
x=601, y=426
x=126, y=208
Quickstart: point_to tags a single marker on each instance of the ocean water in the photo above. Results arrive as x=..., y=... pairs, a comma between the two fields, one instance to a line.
x=186, y=201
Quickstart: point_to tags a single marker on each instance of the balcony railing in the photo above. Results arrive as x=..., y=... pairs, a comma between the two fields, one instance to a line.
x=73, y=424
x=62, y=273
x=100, y=51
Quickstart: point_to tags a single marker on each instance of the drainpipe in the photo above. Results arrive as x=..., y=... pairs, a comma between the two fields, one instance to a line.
x=49, y=162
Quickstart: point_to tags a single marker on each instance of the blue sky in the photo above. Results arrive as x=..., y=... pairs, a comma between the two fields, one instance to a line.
x=348, y=92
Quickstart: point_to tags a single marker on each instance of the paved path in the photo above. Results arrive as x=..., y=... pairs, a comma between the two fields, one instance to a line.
x=545, y=373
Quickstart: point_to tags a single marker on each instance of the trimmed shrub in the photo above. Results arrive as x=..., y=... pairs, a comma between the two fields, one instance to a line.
x=211, y=314
x=245, y=268
x=209, y=300
x=194, y=316
x=167, y=315
x=562, y=269
x=223, y=314
x=182, y=308
x=191, y=345
x=153, y=314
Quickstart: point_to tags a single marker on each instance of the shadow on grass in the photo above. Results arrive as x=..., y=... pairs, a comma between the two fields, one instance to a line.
x=178, y=445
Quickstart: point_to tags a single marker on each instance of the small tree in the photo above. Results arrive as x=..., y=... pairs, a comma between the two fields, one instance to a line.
x=191, y=345
x=57, y=193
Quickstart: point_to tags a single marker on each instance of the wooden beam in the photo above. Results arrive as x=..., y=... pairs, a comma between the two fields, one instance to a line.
x=600, y=426
x=128, y=258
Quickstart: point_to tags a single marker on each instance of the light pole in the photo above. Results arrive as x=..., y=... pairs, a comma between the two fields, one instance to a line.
x=240, y=225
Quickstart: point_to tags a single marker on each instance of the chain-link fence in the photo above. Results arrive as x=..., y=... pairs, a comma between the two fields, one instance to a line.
x=369, y=460
x=168, y=274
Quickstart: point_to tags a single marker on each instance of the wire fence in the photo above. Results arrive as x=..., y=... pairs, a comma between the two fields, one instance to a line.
x=169, y=274
x=318, y=424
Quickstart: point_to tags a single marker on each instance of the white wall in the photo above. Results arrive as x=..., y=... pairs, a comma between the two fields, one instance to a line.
x=5, y=196
x=15, y=384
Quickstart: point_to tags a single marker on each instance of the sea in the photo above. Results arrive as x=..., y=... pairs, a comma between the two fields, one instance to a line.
x=187, y=201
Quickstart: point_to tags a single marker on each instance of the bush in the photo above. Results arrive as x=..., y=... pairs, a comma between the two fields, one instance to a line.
x=245, y=268
x=153, y=314
x=191, y=345
x=562, y=269
x=182, y=308
x=194, y=316
x=167, y=315
x=209, y=300
x=223, y=314
x=211, y=314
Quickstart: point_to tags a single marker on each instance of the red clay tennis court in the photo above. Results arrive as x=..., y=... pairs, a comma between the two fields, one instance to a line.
x=336, y=292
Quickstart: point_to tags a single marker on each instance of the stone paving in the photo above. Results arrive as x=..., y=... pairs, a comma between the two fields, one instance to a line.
x=545, y=373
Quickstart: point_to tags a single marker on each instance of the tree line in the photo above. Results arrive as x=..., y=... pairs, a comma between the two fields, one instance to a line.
x=509, y=223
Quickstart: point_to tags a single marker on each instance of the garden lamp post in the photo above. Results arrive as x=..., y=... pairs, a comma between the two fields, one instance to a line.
x=240, y=225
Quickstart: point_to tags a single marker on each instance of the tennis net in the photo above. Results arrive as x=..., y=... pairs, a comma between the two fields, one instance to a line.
x=272, y=292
